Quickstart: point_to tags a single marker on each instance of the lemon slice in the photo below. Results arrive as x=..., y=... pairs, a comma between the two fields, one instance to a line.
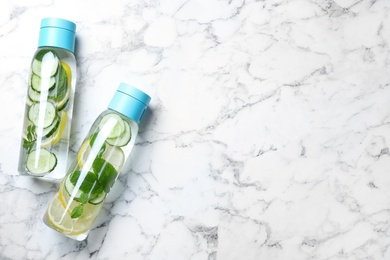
x=58, y=134
x=59, y=216
x=60, y=219
x=91, y=148
x=61, y=196
x=84, y=151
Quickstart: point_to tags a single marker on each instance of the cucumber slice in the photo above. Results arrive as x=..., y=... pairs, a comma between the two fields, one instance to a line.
x=51, y=129
x=118, y=128
x=99, y=199
x=34, y=95
x=58, y=131
x=45, y=63
x=69, y=187
x=123, y=139
x=41, y=161
x=50, y=113
x=45, y=84
x=115, y=156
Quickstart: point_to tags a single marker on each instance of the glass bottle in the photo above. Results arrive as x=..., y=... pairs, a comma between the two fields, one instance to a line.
x=49, y=103
x=100, y=159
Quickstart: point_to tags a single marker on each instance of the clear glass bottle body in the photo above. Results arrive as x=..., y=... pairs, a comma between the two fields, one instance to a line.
x=89, y=179
x=48, y=114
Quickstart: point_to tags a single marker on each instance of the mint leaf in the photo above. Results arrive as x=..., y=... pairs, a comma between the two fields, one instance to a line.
x=27, y=144
x=92, y=141
x=31, y=135
x=93, y=138
x=59, y=92
x=83, y=198
x=96, y=191
x=89, y=181
x=62, y=83
x=77, y=211
x=106, y=172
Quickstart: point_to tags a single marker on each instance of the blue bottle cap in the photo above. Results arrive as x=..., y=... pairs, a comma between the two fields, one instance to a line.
x=130, y=102
x=58, y=33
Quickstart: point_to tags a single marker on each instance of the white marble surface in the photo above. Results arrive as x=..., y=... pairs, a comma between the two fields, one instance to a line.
x=267, y=137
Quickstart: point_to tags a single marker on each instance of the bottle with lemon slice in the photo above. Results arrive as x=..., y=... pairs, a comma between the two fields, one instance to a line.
x=100, y=159
x=49, y=105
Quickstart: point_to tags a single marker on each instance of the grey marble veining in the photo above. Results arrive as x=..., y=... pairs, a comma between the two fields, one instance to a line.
x=266, y=137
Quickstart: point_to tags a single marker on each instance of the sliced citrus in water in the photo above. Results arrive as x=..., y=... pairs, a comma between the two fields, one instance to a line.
x=84, y=151
x=90, y=149
x=60, y=219
x=61, y=196
x=59, y=216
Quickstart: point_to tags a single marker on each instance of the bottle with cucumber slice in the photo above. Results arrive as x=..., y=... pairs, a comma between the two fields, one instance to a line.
x=49, y=102
x=99, y=161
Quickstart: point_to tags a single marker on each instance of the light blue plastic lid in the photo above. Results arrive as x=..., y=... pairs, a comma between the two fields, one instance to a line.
x=56, y=32
x=130, y=102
